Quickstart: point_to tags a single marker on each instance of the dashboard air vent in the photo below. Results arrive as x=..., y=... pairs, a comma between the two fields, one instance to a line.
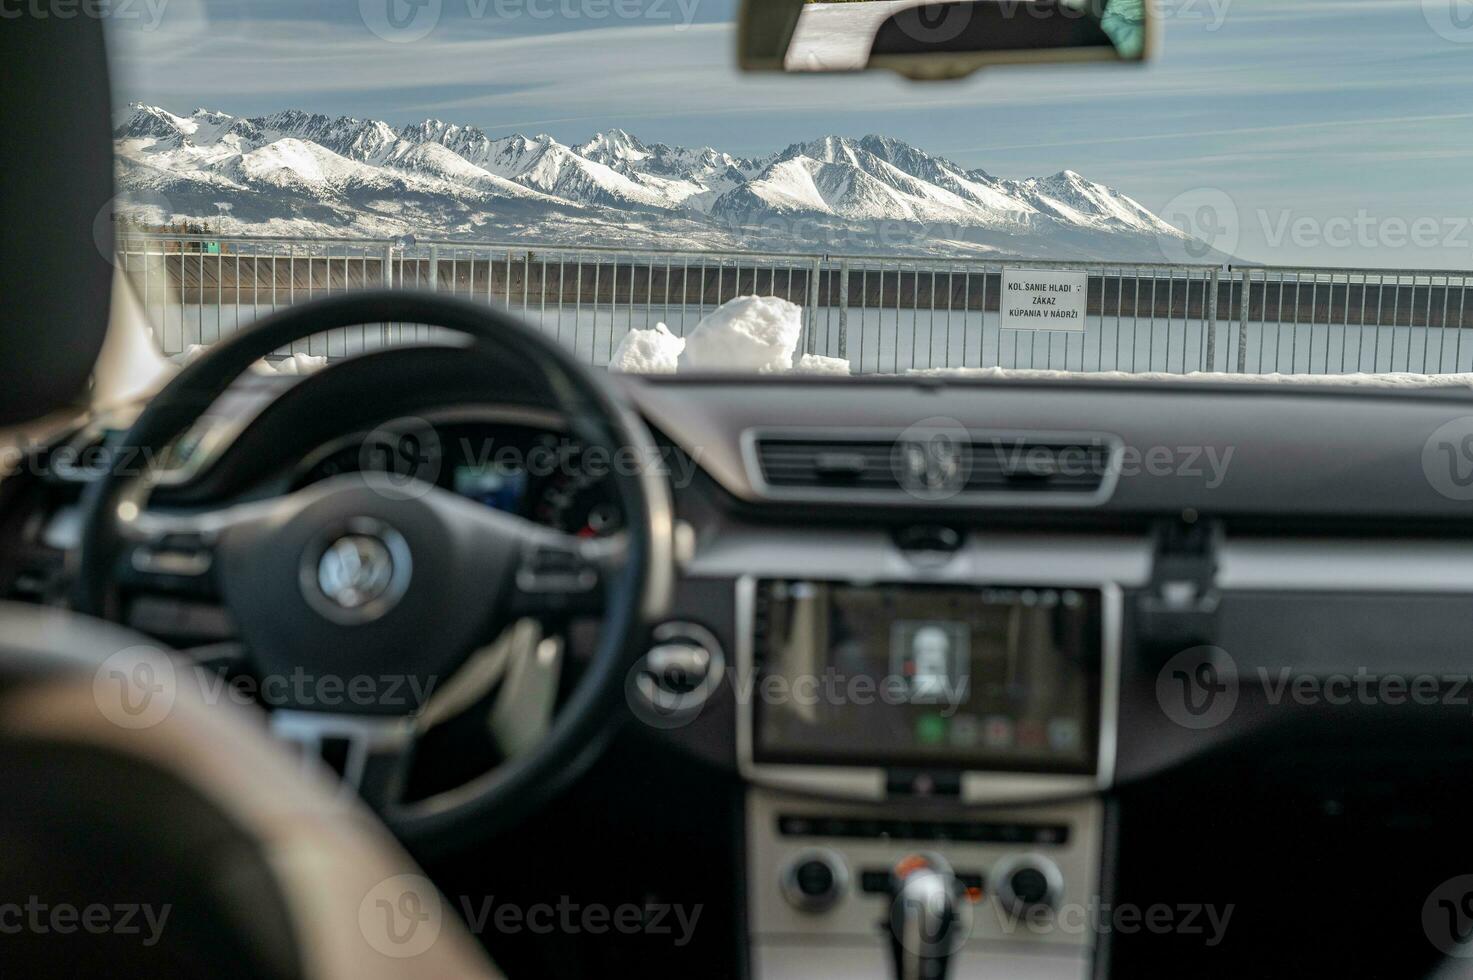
x=937, y=464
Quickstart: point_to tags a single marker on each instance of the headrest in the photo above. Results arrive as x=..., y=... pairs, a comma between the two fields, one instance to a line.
x=55, y=202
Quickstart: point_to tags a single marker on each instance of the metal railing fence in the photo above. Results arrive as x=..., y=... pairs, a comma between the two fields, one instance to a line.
x=881, y=313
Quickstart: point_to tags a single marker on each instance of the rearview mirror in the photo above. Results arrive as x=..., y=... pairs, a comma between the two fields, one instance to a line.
x=934, y=39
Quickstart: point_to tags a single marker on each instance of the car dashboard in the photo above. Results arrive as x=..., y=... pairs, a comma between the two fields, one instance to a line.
x=961, y=622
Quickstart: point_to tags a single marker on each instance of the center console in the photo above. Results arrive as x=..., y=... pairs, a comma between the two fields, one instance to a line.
x=821, y=896
x=951, y=731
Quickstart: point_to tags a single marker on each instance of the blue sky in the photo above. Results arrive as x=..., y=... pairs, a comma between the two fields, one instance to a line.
x=1334, y=132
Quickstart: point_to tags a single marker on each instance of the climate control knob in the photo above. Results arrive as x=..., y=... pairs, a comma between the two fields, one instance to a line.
x=1027, y=882
x=815, y=880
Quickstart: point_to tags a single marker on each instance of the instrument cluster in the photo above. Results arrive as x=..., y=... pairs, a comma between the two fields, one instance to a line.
x=530, y=470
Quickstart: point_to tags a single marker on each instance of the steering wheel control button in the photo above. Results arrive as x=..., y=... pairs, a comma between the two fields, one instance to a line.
x=358, y=574
x=1026, y=882
x=183, y=555
x=815, y=881
x=551, y=569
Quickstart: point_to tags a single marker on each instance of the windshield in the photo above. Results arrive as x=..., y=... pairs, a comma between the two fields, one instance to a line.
x=1281, y=190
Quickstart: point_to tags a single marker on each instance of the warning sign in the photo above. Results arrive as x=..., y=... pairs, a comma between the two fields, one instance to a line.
x=1043, y=299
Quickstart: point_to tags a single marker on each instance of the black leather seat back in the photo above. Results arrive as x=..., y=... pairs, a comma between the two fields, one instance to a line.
x=115, y=868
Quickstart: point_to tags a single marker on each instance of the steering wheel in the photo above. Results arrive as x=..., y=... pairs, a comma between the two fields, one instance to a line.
x=371, y=576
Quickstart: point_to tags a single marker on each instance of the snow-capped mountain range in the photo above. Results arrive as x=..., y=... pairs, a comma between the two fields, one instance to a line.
x=301, y=174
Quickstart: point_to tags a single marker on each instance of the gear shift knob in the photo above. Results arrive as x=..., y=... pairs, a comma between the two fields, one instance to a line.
x=926, y=912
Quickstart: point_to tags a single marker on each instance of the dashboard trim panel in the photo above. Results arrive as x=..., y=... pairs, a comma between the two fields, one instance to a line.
x=1346, y=565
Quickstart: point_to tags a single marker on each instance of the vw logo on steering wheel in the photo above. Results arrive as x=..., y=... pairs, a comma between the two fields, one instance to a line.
x=359, y=575
x=355, y=570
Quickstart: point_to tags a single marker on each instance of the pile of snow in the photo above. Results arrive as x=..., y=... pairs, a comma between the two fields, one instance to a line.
x=749, y=333
x=654, y=351
x=297, y=363
x=818, y=364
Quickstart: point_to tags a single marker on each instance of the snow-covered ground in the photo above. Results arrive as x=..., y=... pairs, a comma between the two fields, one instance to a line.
x=1393, y=379
x=892, y=341
x=763, y=334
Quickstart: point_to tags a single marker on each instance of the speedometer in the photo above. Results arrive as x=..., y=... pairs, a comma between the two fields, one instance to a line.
x=578, y=502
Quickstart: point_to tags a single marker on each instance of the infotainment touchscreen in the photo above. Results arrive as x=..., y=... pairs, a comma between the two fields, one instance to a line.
x=947, y=677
